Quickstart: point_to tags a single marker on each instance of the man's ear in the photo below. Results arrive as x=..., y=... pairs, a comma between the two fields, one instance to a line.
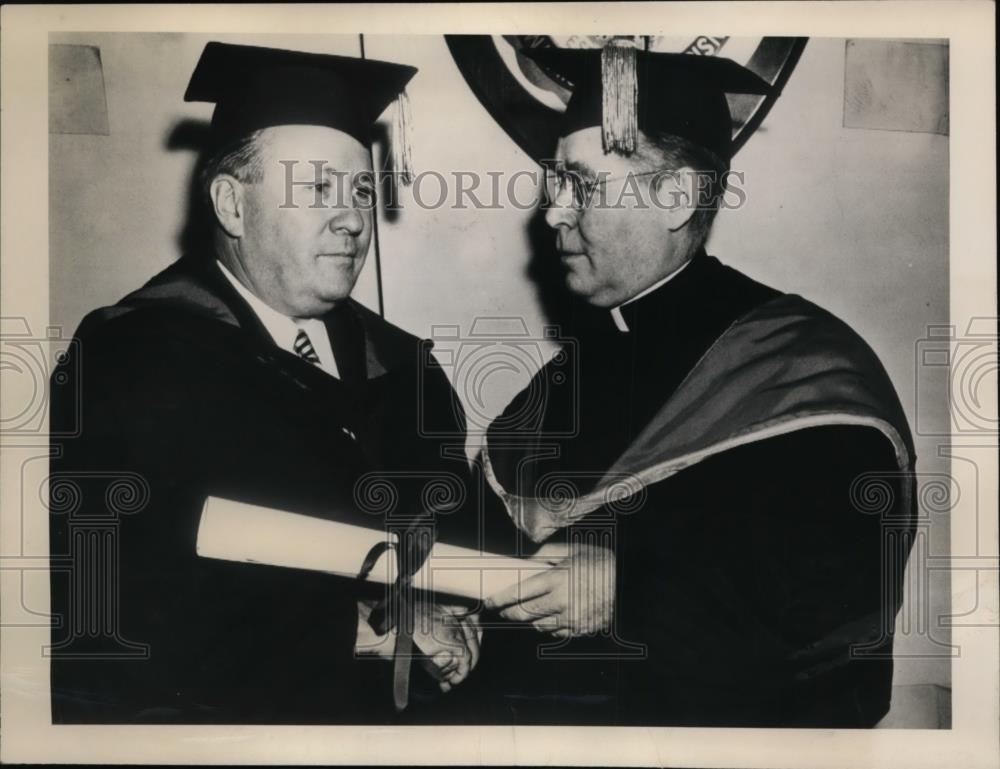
x=226, y=194
x=677, y=194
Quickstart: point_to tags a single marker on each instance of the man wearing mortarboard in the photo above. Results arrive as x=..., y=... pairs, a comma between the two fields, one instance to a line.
x=246, y=371
x=728, y=569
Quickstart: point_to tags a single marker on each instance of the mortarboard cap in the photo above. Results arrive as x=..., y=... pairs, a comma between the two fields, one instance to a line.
x=622, y=89
x=254, y=87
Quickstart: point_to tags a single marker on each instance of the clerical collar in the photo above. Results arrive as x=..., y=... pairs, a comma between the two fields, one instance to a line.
x=616, y=312
x=283, y=329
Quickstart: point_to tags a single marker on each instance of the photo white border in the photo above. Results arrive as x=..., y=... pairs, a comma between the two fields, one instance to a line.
x=27, y=735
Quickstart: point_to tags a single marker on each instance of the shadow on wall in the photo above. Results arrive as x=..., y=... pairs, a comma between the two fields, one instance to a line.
x=192, y=136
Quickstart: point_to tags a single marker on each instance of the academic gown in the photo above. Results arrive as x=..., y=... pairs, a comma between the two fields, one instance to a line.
x=743, y=580
x=180, y=394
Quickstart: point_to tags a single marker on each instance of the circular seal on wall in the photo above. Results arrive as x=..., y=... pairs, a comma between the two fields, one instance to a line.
x=526, y=100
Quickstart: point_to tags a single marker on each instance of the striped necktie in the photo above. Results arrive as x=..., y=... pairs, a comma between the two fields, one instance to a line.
x=304, y=347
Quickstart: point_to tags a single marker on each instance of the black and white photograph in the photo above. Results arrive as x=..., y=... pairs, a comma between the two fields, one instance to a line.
x=384, y=386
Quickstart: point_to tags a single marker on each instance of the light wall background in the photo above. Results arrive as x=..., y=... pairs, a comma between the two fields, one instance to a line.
x=853, y=219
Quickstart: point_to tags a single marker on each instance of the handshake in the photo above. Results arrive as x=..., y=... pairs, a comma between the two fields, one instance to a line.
x=561, y=591
x=573, y=597
x=447, y=638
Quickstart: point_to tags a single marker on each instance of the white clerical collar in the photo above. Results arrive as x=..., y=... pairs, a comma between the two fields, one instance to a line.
x=616, y=312
x=283, y=329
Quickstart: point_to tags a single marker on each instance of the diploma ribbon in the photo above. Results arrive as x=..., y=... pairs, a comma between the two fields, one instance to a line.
x=412, y=549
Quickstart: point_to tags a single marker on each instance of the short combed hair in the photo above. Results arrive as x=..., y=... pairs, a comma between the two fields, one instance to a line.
x=675, y=153
x=241, y=159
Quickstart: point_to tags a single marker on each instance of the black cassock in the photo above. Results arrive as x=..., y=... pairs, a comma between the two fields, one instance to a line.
x=748, y=578
x=182, y=394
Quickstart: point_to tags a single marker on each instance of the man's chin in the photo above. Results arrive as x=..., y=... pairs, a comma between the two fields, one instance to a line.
x=335, y=297
x=335, y=285
x=584, y=289
x=321, y=302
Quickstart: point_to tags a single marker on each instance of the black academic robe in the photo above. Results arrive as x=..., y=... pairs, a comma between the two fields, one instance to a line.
x=182, y=394
x=743, y=581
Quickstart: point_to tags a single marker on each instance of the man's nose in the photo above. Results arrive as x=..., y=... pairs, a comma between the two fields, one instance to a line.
x=561, y=211
x=348, y=220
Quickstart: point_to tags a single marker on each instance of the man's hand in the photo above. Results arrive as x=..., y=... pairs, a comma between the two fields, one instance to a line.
x=448, y=636
x=575, y=597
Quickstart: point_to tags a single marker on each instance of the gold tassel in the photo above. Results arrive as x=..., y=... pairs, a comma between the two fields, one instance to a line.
x=620, y=88
x=402, y=163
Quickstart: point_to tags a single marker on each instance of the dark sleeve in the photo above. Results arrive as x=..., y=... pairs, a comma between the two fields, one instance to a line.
x=759, y=565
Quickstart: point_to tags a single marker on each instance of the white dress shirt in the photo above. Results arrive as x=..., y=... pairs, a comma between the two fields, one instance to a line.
x=283, y=329
x=616, y=312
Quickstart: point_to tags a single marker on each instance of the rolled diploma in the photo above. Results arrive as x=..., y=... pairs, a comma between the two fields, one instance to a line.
x=246, y=533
